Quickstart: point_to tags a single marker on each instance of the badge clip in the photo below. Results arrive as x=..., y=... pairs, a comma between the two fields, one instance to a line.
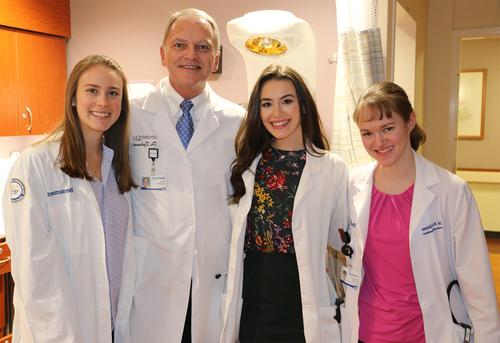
x=153, y=154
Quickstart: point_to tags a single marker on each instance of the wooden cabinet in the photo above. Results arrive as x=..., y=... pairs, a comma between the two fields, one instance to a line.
x=32, y=81
x=46, y=16
x=41, y=71
x=32, y=64
x=8, y=84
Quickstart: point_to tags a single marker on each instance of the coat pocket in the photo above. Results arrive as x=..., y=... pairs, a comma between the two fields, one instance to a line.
x=460, y=335
x=330, y=330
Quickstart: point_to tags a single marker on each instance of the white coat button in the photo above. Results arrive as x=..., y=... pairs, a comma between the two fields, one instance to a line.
x=190, y=221
x=188, y=190
x=308, y=308
x=185, y=161
x=195, y=252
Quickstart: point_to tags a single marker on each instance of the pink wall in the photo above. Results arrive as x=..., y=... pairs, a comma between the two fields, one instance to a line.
x=131, y=32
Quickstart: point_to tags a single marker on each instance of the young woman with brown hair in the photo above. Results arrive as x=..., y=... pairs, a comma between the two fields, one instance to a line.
x=67, y=217
x=419, y=259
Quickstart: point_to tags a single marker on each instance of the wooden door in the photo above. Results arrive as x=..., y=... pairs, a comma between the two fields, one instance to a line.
x=8, y=83
x=41, y=81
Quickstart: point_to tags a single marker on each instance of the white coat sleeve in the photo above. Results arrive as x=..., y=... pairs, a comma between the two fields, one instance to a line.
x=473, y=268
x=43, y=299
x=339, y=215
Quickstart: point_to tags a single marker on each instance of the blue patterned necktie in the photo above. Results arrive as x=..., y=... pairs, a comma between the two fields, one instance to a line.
x=184, y=125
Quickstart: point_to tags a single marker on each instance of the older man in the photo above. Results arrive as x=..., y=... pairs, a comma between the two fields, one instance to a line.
x=182, y=146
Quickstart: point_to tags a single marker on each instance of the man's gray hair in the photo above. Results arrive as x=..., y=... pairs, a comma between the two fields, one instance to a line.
x=197, y=14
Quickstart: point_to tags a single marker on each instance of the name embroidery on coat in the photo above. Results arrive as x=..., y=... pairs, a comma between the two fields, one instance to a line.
x=431, y=228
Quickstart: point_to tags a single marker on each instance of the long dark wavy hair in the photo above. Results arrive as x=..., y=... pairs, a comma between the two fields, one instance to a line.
x=71, y=158
x=253, y=138
x=384, y=99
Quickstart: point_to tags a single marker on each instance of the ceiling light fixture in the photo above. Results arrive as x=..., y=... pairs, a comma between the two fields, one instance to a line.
x=266, y=46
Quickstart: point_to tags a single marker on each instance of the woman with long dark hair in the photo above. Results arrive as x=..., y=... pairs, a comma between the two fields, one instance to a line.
x=289, y=201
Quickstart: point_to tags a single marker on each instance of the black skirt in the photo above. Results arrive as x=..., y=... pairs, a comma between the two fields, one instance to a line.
x=272, y=308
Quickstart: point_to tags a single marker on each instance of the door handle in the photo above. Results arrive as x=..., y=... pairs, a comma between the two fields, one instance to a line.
x=4, y=261
x=30, y=117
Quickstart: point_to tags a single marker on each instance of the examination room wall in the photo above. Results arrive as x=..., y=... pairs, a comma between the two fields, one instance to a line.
x=478, y=160
x=484, y=153
x=131, y=31
x=444, y=18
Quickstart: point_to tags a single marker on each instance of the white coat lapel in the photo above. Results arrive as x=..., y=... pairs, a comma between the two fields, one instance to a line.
x=164, y=123
x=246, y=201
x=312, y=167
x=155, y=104
x=86, y=189
x=422, y=195
x=234, y=279
x=209, y=121
x=362, y=204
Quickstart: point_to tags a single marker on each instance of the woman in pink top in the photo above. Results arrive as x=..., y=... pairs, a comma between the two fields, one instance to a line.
x=418, y=269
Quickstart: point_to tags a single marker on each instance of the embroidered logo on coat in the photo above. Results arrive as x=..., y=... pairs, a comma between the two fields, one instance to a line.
x=144, y=141
x=17, y=190
x=60, y=191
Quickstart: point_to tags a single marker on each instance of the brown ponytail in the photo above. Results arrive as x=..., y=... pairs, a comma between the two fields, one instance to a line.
x=385, y=99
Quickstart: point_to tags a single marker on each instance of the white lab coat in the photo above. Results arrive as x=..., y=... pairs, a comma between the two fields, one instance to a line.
x=56, y=237
x=182, y=232
x=319, y=209
x=453, y=247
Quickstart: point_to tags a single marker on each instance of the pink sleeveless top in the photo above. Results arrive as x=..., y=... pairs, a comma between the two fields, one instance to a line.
x=388, y=305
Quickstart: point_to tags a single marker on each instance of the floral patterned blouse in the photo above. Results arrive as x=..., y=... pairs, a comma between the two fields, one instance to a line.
x=269, y=222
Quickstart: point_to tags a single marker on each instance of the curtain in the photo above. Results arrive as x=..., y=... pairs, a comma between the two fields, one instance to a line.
x=360, y=63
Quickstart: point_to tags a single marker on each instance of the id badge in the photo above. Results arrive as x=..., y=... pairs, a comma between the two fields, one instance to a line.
x=349, y=277
x=154, y=183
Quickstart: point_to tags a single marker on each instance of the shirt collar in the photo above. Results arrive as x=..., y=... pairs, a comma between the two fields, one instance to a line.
x=174, y=99
x=107, y=162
